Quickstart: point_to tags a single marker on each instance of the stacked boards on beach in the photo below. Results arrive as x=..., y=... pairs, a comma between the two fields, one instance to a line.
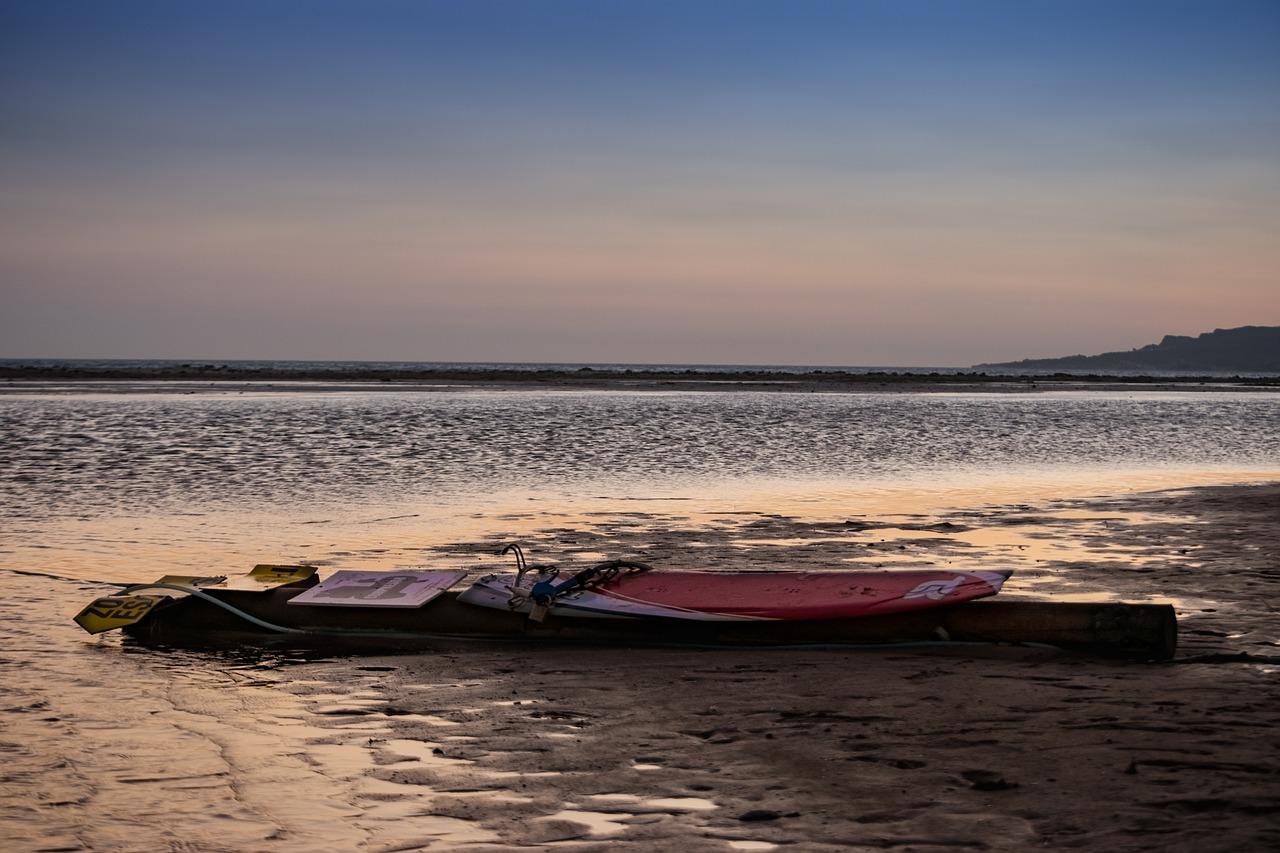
x=762, y=608
x=681, y=595
x=749, y=596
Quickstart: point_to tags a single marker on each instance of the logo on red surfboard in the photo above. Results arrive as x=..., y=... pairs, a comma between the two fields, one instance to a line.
x=935, y=590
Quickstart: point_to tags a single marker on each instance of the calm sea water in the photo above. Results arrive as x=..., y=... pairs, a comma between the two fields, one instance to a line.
x=126, y=487
x=85, y=456
x=339, y=367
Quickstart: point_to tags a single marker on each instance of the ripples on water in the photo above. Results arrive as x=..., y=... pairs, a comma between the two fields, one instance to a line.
x=128, y=486
x=77, y=454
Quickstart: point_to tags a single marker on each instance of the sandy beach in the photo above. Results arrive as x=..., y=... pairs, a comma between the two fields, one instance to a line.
x=920, y=749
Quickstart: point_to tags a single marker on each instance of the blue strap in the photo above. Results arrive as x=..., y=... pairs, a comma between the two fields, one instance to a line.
x=547, y=591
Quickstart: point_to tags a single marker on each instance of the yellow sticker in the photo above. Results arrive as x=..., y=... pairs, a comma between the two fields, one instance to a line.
x=193, y=580
x=279, y=575
x=116, y=611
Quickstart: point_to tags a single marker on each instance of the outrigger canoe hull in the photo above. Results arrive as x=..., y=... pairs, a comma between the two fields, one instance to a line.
x=1137, y=631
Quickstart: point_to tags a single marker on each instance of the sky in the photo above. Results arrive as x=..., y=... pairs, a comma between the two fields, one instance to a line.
x=799, y=182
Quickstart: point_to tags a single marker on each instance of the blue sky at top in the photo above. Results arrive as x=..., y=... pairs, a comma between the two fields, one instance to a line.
x=802, y=182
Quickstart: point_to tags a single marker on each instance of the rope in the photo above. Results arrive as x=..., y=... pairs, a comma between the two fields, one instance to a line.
x=261, y=623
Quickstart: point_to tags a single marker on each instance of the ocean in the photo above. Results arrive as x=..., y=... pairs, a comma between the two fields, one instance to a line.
x=338, y=368
x=109, y=745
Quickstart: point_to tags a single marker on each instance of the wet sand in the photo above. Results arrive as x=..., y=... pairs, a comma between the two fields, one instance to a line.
x=909, y=749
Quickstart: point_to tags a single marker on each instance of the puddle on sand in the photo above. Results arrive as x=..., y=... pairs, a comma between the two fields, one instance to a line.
x=602, y=823
x=441, y=779
x=638, y=804
x=597, y=823
x=423, y=753
x=349, y=749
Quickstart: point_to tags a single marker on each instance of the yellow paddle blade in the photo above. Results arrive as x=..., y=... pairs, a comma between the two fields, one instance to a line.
x=116, y=611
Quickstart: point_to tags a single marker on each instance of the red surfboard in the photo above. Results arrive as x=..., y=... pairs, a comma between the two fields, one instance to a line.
x=724, y=596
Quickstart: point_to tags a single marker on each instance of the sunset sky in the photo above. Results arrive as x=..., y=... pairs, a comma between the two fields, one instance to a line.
x=821, y=182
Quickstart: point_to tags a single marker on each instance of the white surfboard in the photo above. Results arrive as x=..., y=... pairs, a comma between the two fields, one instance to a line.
x=494, y=591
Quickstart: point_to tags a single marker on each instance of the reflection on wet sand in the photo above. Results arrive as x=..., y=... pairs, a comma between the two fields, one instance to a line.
x=476, y=746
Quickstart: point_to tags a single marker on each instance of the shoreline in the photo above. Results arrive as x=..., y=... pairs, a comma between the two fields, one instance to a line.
x=188, y=377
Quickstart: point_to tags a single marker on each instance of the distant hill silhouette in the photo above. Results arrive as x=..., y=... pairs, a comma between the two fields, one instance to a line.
x=1248, y=349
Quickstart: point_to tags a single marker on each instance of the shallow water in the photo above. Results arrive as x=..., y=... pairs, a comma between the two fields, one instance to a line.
x=109, y=746
x=118, y=486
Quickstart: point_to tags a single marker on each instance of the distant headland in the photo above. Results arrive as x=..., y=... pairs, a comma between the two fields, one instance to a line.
x=1247, y=357
x=1248, y=349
